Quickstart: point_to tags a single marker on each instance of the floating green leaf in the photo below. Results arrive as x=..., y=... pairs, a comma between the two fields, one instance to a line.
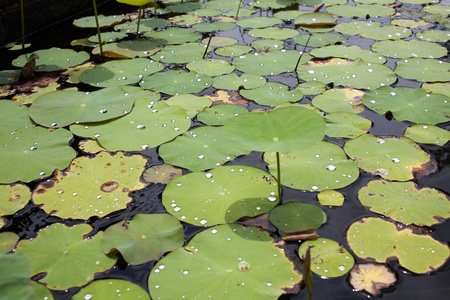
x=422, y=69
x=145, y=25
x=361, y=11
x=192, y=104
x=220, y=196
x=434, y=36
x=331, y=198
x=175, y=82
x=437, y=87
x=428, y=134
x=296, y=215
x=144, y=237
x=315, y=19
x=321, y=167
x=161, y=173
x=92, y=186
x=9, y=76
x=220, y=41
x=234, y=82
x=272, y=93
x=258, y=22
x=180, y=54
x=406, y=49
x=224, y=261
x=233, y=50
x=59, y=248
x=173, y=36
x=130, y=49
x=274, y=4
x=403, y=202
x=220, y=113
x=210, y=66
x=8, y=241
x=349, y=52
x=344, y=100
x=273, y=33
x=107, y=37
x=346, y=125
x=311, y=87
x=13, y=116
x=213, y=26
x=373, y=30
x=33, y=153
x=13, y=197
x=104, y=21
x=391, y=158
x=320, y=39
x=380, y=240
x=267, y=45
x=111, y=289
x=328, y=258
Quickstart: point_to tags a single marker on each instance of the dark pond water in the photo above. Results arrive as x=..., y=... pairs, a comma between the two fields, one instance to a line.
x=29, y=220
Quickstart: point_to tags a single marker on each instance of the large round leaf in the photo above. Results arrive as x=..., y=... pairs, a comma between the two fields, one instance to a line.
x=350, y=52
x=411, y=104
x=274, y=33
x=224, y=262
x=192, y=104
x=276, y=130
x=200, y=149
x=13, y=116
x=403, y=202
x=180, y=54
x=62, y=108
x=373, y=30
x=144, y=237
x=361, y=10
x=234, y=82
x=111, y=289
x=174, y=36
x=405, y=49
x=68, y=258
x=220, y=113
x=92, y=186
x=32, y=153
x=380, y=240
x=391, y=158
x=422, y=69
x=210, y=66
x=175, y=82
x=258, y=22
x=319, y=39
x=148, y=125
x=222, y=195
x=272, y=93
x=129, y=49
x=295, y=215
x=53, y=59
x=346, y=125
x=344, y=100
x=323, y=166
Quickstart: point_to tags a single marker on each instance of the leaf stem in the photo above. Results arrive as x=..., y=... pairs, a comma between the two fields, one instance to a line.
x=139, y=22
x=98, y=28
x=207, y=46
x=306, y=45
x=22, y=22
x=239, y=7
x=279, y=174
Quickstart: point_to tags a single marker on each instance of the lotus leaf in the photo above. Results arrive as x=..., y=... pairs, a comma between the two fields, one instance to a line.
x=213, y=26
x=180, y=54
x=349, y=52
x=357, y=74
x=120, y=72
x=59, y=248
x=437, y=9
x=144, y=237
x=296, y=215
x=315, y=19
x=406, y=49
x=184, y=7
x=320, y=39
x=75, y=72
x=9, y=76
x=274, y=33
x=371, y=277
x=233, y=50
x=391, y=158
x=13, y=197
x=62, y=108
x=423, y=69
x=272, y=93
x=200, y=149
x=234, y=82
x=412, y=104
x=312, y=2
x=103, y=21
x=174, y=82
x=107, y=37
x=428, y=134
x=33, y=153
x=403, y=202
x=258, y=22
x=323, y=166
x=224, y=261
x=220, y=41
x=130, y=49
x=273, y=62
x=192, y=104
x=437, y=87
x=331, y=198
x=53, y=59
x=13, y=116
x=381, y=240
x=361, y=10
x=111, y=289
x=173, y=36
x=276, y=130
x=145, y=25
x=373, y=30
x=92, y=186
x=161, y=173
x=206, y=12
x=267, y=45
x=90, y=146
x=434, y=36
x=328, y=258
x=222, y=4
x=274, y=4
x=346, y=125
x=222, y=195
x=344, y=100
x=210, y=66
x=8, y=241
x=227, y=97
x=243, y=12
x=409, y=23
x=311, y=87
x=220, y=113
x=186, y=20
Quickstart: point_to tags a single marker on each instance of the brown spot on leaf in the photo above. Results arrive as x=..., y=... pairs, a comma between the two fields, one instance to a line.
x=14, y=198
x=40, y=191
x=109, y=186
x=425, y=169
x=228, y=97
x=125, y=190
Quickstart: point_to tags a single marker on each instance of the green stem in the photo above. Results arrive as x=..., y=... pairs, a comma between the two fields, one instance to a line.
x=239, y=7
x=22, y=20
x=207, y=46
x=98, y=28
x=306, y=45
x=279, y=175
x=139, y=21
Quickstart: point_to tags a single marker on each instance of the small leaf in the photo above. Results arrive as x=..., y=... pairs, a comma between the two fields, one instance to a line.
x=372, y=277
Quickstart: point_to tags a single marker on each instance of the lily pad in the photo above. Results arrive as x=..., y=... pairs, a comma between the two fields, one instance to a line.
x=148, y=125
x=186, y=20
x=173, y=36
x=161, y=173
x=296, y=215
x=330, y=198
x=373, y=30
x=33, y=153
x=234, y=82
x=233, y=50
x=53, y=59
x=434, y=36
x=107, y=37
x=320, y=39
x=372, y=277
x=220, y=196
x=90, y=146
x=220, y=113
x=422, y=69
x=321, y=167
x=192, y=104
x=144, y=237
x=406, y=49
x=103, y=21
x=428, y=134
x=412, y=104
x=129, y=49
x=403, y=202
x=184, y=7
x=211, y=67
x=437, y=87
x=213, y=26
x=258, y=22
x=200, y=149
x=344, y=100
x=227, y=97
x=92, y=186
x=224, y=261
x=311, y=87
x=145, y=25
x=391, y=158
x=174, y=82
x=9, y=76
x=346, y=125
x=180, y=54
x=328, y=258
x=62, y=108
x=315, y=19
x=381, y=240
x=272, y=93
x=357, y=74
x=111, y=289
x=409, y=23
x=276, y=130
x=8, y=241
x=37, y=92
x=120, y=72
x=13, y=116
x=361, y=10
x=273, y=33
x=349, y=52
x=274, y=4
x=267, y=45
x=13, y=198
x=220, y=41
